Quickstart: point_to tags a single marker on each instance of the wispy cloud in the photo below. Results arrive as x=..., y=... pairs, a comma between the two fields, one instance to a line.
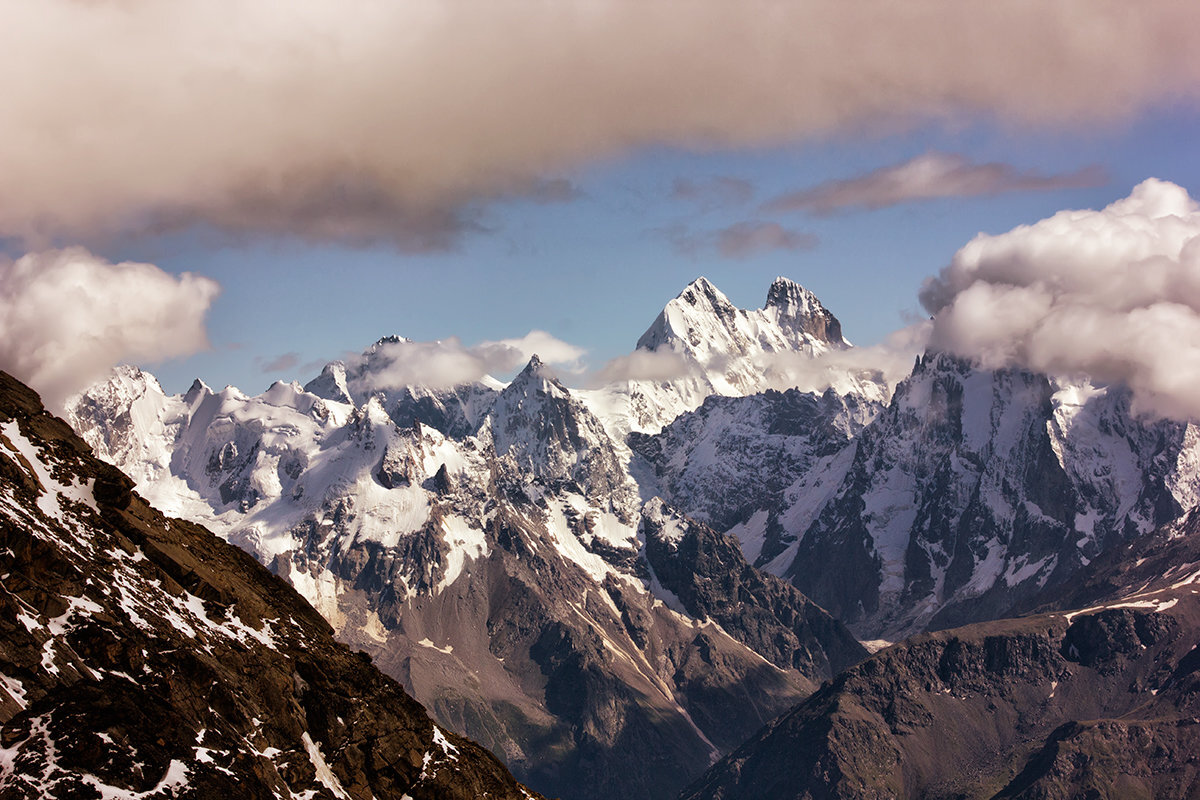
x=722, y=191
x=737, y=241
x=278, y=364
x=394, y=121
x=927, y=177
x=447, y=363
x=646, y=365
x=746, y=239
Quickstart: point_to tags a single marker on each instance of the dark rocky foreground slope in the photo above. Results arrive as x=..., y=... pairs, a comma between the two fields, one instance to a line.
x=141, y=656
x=1102, y=702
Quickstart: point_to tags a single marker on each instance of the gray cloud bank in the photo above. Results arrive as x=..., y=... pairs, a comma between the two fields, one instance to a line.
x=387, y=121
x=927, y=177
x=1111, y=294
x=67, y=316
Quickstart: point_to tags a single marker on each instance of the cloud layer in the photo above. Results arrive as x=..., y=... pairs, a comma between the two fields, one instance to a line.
x=1112, y=294
x=67, y=316
x=927, y=177
x=448, y=363
x=888, y=362
x=388, y=121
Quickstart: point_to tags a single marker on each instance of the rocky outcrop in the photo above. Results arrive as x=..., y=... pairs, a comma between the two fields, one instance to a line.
x=142, y=656
x=748, y=465
x=1100, y=703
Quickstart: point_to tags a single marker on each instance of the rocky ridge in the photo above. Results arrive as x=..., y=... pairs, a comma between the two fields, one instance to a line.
x=967, y=495
x=1100, y=702
x=143, y=657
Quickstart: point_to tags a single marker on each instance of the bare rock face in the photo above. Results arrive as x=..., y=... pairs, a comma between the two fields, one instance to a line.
x=141, y=655
x=1098, y=695
x=1099, y=703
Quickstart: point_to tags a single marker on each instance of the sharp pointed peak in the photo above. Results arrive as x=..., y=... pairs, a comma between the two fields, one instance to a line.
x=198, y=389
x=785, y=292
x=537, y=374
x=702, y=287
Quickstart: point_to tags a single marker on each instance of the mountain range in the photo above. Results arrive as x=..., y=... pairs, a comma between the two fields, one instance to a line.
x=613, y=588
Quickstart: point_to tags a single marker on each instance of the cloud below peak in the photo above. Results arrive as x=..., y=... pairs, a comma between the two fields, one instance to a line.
x=448, y=363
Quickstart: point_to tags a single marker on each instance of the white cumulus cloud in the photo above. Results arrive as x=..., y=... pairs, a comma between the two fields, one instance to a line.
x=1112, y=294
x=68, y=316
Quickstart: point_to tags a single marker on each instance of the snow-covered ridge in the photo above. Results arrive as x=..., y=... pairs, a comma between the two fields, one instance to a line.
x=400, y=513
x=701, y=345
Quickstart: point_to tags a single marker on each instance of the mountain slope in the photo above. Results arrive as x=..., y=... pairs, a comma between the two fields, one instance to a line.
x=502, y=575
x=753, y=466
x=976, y=489
x=141, y=656
x=1101, y=702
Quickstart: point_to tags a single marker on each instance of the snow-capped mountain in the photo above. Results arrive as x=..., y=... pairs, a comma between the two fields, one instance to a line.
x=975, y=489
x=140, y=656
x=489, y=547
x=701, y=345
x=552, y=570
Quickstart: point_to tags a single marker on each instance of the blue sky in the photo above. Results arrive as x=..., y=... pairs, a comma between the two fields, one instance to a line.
x=444, y=168
x=595, y=270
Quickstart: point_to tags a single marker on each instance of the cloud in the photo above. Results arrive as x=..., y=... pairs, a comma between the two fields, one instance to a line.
x=68, y=316
x=721, y=191
x=448, y=363
x=740, y=240
x=927, y=177
x=1111, y=294
x=551, y=190
x=888, y=362
x=746, y=239
x=281, y=363
x=508, y=354
x=646, y=365
x=393, y=121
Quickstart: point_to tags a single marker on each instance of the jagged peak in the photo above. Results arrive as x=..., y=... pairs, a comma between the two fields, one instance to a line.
x=386, y=340
x=331, y=384
x=700, y=299
x=703, y=291
x=791, y=304
x=197, y=390
x=537, y=375
x=785, y=293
